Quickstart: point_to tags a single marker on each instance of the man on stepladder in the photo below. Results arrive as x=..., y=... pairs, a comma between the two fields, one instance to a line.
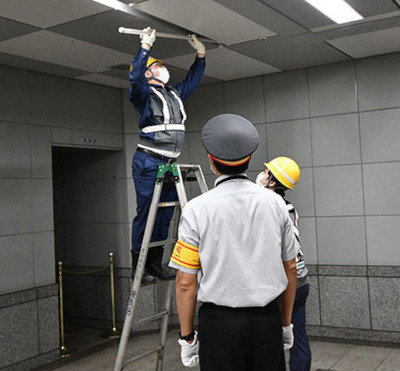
x=238, y=241
x=162, y=124
x=282, y=174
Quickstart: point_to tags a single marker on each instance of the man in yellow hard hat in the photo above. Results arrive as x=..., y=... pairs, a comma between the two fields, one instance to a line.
x=162, y=129
x=281, y=174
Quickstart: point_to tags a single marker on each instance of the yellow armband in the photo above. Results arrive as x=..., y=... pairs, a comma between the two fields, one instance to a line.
x=186, y=255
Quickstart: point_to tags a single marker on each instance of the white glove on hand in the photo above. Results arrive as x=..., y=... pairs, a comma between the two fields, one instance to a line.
x=196, y=44
x=190, y=352
x=148, y=36
x=287, y=336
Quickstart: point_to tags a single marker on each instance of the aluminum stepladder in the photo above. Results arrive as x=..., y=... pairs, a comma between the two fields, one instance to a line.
x=180, y=175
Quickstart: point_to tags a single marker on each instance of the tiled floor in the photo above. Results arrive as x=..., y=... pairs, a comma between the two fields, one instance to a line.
x=326, y=356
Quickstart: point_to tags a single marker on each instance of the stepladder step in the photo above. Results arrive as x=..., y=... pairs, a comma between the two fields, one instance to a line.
x=151, y=318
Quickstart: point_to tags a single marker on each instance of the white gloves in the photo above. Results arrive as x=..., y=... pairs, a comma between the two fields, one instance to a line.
x=287, y=336
x=148, y=36
x=190, y=352
x=196, y=44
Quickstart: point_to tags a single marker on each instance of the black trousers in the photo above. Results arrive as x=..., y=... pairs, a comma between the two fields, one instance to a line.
x=241, y=339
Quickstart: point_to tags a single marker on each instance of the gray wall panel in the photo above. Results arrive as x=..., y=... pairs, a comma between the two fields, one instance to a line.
x=341, y=240
x=245, y=97
x=44, y=258
x=381, y=195
x=286, y=96
x=15, y=159
x=49, y=100
x=16, y=206
x=383, y=240
x=380, y=135
x=335, y=140
x=291, y=139
x=332, y=89
x=16, y=263
x=205, y=103
x=95, y=107
x=338, y=190
x=378, y=81
x=13, y=94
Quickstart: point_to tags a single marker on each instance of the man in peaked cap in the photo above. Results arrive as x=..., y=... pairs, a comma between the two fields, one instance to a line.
x=237, y=240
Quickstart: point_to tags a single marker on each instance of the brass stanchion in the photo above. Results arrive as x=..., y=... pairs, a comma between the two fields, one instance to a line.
x=65, y=352
x=114, y=333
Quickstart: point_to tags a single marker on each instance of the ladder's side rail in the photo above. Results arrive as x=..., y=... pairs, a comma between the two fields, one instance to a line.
x=180, y=188
x=167, y=308
x=138, y=277
x=164, y=326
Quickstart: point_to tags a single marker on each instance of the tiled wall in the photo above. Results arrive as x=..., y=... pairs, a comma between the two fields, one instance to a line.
x=341, y=123
x=29, y=326
x=38, y=111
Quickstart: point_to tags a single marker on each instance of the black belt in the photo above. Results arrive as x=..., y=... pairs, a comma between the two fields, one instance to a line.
x=156, y=155
x=271, y=307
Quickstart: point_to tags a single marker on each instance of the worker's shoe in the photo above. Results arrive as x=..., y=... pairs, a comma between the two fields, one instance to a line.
x=147, y=278
x=153, y=264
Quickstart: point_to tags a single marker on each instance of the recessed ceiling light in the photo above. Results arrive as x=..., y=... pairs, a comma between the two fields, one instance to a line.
x=337, y=10
x=115, y=4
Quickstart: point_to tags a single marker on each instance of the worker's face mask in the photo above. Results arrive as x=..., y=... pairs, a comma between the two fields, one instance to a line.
x=163, y=75
x=259, y=178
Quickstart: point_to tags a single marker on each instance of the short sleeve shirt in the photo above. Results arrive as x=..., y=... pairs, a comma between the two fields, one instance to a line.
x=236, y=237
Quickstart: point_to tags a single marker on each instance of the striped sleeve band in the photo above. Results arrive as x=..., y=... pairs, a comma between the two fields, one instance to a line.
x=186, y=255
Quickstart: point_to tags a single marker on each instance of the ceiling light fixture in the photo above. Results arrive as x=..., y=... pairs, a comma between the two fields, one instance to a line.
x=337, y=10
x=115, y=4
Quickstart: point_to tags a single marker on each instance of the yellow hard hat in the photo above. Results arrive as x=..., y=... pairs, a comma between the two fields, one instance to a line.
x=285, y=170
x=153, y=60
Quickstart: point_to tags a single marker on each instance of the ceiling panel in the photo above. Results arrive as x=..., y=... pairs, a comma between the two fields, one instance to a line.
x=54, y=48
x=39, y=66
x=207, y=18
x=105, y=80
x=46, y=13
x=370, y=43
x=102, y=30
x=292, y=52
x=264, y=15
x=226, y=64
x=358, y=28
x=373, y=7
x=299, y=11
x=10, y=29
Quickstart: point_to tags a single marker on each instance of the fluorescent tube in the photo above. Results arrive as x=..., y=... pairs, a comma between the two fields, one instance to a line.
x=115, y=4
x=337, y=10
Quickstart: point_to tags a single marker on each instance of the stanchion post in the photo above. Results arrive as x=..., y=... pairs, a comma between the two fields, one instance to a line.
x=114, y=333
x=64, y=351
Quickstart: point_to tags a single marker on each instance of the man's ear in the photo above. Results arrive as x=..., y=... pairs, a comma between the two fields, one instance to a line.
x=148, y=74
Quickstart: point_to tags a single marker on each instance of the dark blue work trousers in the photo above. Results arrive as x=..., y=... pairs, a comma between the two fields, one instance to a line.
x=144, y=173
x=300, y=353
